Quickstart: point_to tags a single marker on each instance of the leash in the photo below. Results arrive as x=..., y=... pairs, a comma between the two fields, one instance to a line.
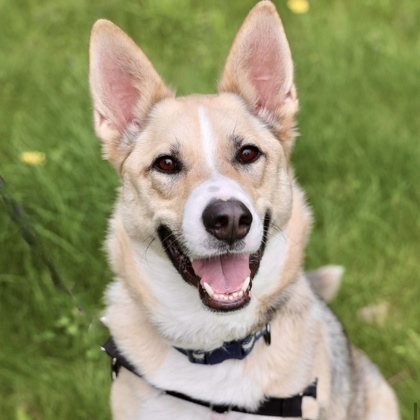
x=17, y=214
x=274, y=407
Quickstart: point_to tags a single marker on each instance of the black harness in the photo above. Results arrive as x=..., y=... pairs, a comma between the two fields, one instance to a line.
x=274, y=407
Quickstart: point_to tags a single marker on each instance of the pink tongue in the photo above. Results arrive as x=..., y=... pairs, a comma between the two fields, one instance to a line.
x=225, y=274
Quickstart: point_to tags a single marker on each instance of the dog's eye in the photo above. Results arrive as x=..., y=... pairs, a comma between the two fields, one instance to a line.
x=248, y=154
x=167, y=164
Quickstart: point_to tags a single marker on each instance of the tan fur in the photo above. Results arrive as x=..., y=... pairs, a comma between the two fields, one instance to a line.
x=150, y=309
x=298, y=229
x=326, y=280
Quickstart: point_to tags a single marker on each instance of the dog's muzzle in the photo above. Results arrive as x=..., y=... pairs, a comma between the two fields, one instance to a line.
x=224, y=280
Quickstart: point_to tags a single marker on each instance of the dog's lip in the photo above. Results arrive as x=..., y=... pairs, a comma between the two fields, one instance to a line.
x=179, y=259
x=183, y=265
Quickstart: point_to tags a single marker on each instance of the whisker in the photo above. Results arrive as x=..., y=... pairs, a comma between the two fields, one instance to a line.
x=151, y=240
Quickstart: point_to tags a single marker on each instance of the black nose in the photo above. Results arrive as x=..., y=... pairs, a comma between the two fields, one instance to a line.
x=228, y=220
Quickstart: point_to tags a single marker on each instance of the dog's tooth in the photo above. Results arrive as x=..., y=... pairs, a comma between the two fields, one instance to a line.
x=225, y=297
x=235, y=294
x=231, y=297
x=246, y=284
x=209, y=290
x=241, y=293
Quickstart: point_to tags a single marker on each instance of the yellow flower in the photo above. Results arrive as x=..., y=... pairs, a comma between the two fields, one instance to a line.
x=33, y=158
x=298, y=6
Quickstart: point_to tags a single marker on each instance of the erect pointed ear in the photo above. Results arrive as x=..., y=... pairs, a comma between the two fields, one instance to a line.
x=124, y=87
x=260, y=69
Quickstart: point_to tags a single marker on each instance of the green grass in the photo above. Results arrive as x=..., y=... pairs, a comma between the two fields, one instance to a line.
x=358, y=157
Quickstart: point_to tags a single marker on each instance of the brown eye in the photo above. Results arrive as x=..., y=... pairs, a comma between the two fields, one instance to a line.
x=167, y=164
x=248, y=154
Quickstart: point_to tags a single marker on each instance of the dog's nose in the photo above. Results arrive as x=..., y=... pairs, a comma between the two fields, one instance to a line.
x=228, y=220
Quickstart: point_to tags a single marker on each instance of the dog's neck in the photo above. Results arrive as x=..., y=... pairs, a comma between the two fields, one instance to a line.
x=236, y=349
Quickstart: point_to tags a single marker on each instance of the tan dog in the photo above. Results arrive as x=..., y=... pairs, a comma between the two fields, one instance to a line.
x=207, y=242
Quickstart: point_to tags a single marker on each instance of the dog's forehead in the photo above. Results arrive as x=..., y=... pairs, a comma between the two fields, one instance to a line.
x=214, y=117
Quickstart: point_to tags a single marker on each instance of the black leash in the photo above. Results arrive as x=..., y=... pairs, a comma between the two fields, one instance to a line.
x=17, y=214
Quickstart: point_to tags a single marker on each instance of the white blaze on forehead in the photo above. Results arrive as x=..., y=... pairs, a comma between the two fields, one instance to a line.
x=217, y=187
x=206, y=135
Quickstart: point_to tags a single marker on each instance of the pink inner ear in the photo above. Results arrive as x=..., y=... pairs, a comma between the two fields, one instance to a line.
x=119, y=93
x=268, y=72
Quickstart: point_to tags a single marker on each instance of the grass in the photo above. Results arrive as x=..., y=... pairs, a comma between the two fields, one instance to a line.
x=358, y=158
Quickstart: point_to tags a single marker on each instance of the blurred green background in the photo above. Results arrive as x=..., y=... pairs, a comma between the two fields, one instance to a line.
x=358, y=157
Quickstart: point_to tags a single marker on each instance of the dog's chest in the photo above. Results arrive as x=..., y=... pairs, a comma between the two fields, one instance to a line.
x=230, y=382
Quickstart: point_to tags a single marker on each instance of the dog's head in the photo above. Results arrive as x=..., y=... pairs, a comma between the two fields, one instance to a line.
x=205, y=178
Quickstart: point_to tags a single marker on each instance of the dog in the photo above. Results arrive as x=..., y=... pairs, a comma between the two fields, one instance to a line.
x=211, y=313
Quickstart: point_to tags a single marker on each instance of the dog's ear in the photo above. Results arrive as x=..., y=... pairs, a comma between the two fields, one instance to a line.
x=124, y=86
x=260, y=69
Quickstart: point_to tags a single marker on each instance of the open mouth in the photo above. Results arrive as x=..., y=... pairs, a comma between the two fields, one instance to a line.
x=224, y=282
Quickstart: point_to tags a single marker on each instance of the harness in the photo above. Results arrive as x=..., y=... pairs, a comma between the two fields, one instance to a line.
x=239, y=349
